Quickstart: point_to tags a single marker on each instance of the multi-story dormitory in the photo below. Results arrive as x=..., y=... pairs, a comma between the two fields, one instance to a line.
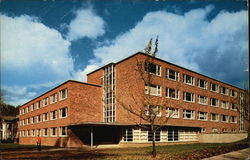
x=77, y=113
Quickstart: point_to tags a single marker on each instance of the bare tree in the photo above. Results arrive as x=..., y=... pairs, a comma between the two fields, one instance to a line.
x=146, y=109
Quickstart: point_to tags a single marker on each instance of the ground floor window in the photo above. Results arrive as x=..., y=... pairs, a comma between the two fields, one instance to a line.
x=128, y=135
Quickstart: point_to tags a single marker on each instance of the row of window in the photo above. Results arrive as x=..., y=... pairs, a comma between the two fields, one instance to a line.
x=63, y=94
x=187, y=79
x=63, y=113
x=45, y=132
x=189, y=114
x=187, y=96
x=215, y=130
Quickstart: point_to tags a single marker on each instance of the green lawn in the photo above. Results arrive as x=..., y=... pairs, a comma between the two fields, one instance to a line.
x=176, y=152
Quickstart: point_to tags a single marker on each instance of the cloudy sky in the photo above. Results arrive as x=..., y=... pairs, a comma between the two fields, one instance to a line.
x=44, y=43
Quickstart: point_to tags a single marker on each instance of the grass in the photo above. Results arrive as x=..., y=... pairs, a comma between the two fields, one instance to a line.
x=178, y=151
x=18, y=147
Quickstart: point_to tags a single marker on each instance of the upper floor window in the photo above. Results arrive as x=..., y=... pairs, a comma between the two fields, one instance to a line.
x=63, y=112
x=214, y=117
x=53, y=115
x=45, y=132
x=202, y=99
x=172, y=74
x=53, y=98
x=233, y=119
x=188, y=97
x=202, y=83
x=224, y=118
x=153, y=68
x=234, y=106
x=38, y=118
x=45, y=101
x=224, y=90
x=32, y=107
x=63, y=131
x=38, y=104
x=172, y=93
x=63, y=94
x=202, y=116
x=33, y=120
x=153, y=89
x=214, y=87
x=214, y=102
x=27, y=109
x=53, y=131
x=233, y=93
x=45, y=116
x=172, y=112
x=224, y=104
x=188, y=114
x=188, y=79
x=153, y=110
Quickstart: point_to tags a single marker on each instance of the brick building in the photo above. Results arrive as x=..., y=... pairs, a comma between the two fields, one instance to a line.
x=76, y=113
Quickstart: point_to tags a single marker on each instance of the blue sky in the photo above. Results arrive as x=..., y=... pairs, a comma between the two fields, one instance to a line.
x=44, y=43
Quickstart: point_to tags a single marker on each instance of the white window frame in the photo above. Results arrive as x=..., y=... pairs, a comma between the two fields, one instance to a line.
x=224, y=104
x=38, y=132
x=216, y=117
x=51, y=132
x=199, y=83
x=202, y=100
x=234, y=105
x=203, y=129
x=222, y=89
x=186, y=81
x=52, y=113
x=172, y=112
x=47, y=132
x=151, y=87
x=216, y=87
x=233, y=93
x=201, y=115
x=191, y=112
x=226, y=116
x=45, y=101
x=214, y=130
x=216, y=101
x=40, y=120
x=44, y=116
x=32, y=107
x=60, y=112
x=53, y=98
x=233, y=118
x=61, y=129
x=157, y=111
x=60, y=94
x=176, y=75
x=33, y=133
x=157, y=69
x=38, y=105
x=185, y=97
x=177, y=93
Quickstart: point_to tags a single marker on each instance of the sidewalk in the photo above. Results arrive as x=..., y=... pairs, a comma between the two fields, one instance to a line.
x=236, y=155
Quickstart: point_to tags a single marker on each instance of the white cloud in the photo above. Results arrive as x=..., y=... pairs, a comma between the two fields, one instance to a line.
x=189, y=40
x=81, y=75
x=86, y=24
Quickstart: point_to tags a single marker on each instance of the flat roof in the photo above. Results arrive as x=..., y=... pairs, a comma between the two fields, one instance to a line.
x=167, y=63
x=58, y=87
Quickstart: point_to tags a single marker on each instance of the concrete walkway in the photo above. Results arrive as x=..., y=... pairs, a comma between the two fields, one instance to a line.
x=236, y=155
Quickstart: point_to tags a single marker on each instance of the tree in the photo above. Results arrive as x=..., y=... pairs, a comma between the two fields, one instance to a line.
x=142, y=106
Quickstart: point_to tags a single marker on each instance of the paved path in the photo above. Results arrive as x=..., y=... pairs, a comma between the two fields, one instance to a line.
x=243, y=154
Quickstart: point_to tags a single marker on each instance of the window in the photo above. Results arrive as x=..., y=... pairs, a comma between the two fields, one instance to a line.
x=153, y=68
x=157, y=135
x=53, y=131
x=202, y=116
x=214, y=87
x=202, y=83
x=33, y=120
x=189, y=97
x=28, y=121
x=172, y=112
x=233, y=119
x=20, y=112
x=234, y=106
x=153, y=110
x=188, y=79
x=128, y=135
x=172, y=74
x=214, y=102
x=45, y=101
x=63, y=131
x=38, y=104
x=38, y=118
x=224, y=104
x=188, y=114
x=154, y=90
x=63, y=94
x=32, y=107
x=28, y=133
x=214, y=117
x=224, y=118
x=33, y=133
x=214, y=130
x=233, y=130
x=45, y=132
x=223, y=90
x=27, y=109
x=24, y=122
x=53, y=98
x=172, y=93
x=224, y=130
x=173, y=135
x=202, y=99
x=233, y=93
x=63, y=112
x=53, y=115
x=24, y=111
x=45, y=116
x=203, y=129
